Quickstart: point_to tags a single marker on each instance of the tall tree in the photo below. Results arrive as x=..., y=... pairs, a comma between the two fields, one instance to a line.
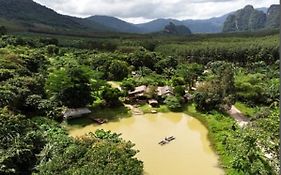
x=70, y=86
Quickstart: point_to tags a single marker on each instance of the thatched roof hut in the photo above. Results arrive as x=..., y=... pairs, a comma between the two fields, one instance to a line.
x=165, y=91
x=153, y=102
x=139, y=91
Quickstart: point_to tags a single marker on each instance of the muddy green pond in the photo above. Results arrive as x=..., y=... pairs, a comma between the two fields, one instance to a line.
x=189, y=153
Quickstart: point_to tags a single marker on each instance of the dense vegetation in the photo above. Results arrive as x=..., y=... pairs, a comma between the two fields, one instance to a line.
x=41, y=146
x=42, y=76
x=43, y=81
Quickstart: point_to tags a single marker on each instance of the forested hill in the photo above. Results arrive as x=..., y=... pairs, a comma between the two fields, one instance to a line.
x=273, y=17
x=115, y=23
x=173, y=29
x=250, y=19
x=27, y=15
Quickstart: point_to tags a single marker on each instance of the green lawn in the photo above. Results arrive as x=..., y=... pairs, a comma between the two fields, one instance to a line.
x=146, y=108
x=112, y=113
x=246, y=110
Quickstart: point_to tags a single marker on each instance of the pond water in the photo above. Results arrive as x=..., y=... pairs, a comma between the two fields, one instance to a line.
x=189, y=154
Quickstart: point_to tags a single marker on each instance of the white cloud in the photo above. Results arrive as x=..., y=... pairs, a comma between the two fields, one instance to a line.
x=145, y=10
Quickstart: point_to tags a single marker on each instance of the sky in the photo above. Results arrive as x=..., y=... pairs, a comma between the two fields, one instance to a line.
x=139, y=11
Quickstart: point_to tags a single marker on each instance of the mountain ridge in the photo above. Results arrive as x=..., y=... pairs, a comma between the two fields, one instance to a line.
x=215, y=24
x=115, y=23
x=29, y=16
x=250, y=19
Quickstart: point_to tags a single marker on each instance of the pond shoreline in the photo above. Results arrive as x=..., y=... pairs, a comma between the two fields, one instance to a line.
x=185, y=128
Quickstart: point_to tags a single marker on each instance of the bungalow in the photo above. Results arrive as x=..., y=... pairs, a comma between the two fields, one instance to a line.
x=153, y=102
x=138, y=92
x=164, y=91
x=161, y=91
x=75, y=113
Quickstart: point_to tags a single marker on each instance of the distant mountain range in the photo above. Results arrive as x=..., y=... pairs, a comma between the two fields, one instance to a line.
x=212, y=25
x=29, y=16
x=196, y=26
x=250, y=19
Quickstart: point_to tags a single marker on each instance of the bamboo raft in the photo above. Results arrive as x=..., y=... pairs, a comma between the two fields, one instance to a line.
x=166, y=140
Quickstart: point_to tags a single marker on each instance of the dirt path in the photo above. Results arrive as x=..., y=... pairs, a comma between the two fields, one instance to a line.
x=238, y=116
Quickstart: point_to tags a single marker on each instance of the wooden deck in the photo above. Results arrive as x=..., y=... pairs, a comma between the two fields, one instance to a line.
x=99, y=120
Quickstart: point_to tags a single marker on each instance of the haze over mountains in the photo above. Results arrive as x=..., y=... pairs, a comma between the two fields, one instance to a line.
x=27, y=15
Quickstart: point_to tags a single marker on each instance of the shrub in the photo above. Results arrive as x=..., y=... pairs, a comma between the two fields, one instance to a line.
x=173, y=103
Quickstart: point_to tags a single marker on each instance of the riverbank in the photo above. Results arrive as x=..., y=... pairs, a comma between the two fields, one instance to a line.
x=190, y=150
x=220, y=127
x=146, y=109
x=110, y=114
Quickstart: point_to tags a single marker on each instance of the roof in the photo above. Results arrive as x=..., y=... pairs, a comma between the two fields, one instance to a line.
x=139, y=89
x=152, y=101
x=188, y=96
x=164, y=90
x=75, y=112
